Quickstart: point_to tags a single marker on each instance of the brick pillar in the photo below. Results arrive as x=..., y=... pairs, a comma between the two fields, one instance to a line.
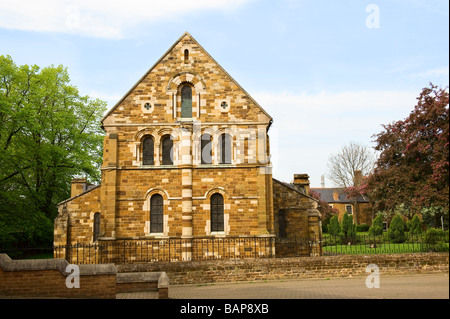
x=186, y=190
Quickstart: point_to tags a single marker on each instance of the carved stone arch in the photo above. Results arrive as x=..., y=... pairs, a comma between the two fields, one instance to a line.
x=214, y=190
x=143, y=132
x=194, y=79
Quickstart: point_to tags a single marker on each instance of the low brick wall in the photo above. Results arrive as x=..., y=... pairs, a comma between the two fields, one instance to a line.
x=215, y=271
x=46, y=278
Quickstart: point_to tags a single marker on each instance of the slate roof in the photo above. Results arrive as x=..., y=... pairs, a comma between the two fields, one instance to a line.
x=326, y=194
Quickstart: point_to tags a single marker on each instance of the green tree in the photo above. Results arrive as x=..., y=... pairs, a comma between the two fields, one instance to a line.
x=396, y=231
x=416, y=226
x=377, y=226
x=413, y=164
x=348, y=227
x=49, y=133
x=334, y=228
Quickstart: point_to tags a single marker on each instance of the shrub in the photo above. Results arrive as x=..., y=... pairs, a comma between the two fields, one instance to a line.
x=436, y=239
x=362, y=228
x=377, y=226
x=334, y=228
x=396, y=231
x=415, y=226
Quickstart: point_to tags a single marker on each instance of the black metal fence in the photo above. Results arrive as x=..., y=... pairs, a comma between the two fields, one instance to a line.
x=167, y=250
x=193, y=249
x=384, y=244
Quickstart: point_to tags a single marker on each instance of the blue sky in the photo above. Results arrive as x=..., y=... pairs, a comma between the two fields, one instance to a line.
x=329, y=72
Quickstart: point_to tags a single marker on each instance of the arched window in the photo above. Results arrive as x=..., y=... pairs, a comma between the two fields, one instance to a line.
x=96, y=226
x=148, y=151
x=167, y=150
x=217, y=220
x=225, y=148
x=186, y=56
x=186, y=102
x=156, y=214
x=206, y=147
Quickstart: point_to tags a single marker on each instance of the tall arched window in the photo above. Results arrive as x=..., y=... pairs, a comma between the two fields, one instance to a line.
x=225, y=148
x=96, y=226
x=186, y=102
x=167, y=150
x=186, y=56
x=148, y=151
x=217, y=220
x=156, y=214
x=206, y=147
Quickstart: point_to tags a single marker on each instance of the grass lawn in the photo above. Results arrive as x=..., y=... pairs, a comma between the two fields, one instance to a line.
x=381, y=248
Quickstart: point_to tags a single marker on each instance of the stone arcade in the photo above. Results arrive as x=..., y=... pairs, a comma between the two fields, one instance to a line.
x=186, y=155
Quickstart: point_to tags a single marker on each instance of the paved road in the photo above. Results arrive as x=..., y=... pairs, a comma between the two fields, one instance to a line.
x=391, y=287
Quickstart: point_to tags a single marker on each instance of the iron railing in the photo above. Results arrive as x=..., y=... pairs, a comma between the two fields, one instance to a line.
x=167, y=250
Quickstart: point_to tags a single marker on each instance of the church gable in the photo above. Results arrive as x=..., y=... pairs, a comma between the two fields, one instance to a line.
x=186, y=84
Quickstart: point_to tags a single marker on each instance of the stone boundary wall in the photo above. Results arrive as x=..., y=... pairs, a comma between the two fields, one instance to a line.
x=217, y=271
x=46, y=278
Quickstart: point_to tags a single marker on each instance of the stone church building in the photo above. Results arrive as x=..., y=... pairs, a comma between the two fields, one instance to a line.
x=186, y=155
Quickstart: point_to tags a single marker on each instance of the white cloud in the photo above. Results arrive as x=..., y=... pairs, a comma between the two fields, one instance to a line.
x=98, y=18
x=433, y=73
x=308, y=128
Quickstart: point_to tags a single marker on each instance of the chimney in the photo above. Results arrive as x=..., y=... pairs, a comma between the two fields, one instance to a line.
x=322, y=181
x=335, y=195
x=78, y=186
x=358, y=178
x=301, y=182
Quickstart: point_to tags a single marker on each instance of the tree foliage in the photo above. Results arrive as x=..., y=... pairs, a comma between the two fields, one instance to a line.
x=377, y=226
x=49, y=133
x=413, y=165
x=334, y=228
x=396, y=231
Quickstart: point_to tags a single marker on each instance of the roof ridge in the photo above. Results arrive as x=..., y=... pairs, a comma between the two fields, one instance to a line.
x=186, y=33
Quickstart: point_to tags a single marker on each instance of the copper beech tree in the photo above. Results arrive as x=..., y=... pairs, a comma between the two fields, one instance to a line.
x=413, y=164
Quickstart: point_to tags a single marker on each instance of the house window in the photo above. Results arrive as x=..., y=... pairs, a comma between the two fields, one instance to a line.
x=96, y=226
x=282, y=223
x=167, y=150
x=349, y=209
x=148, y=151
x=385, y=226
x=206, y=147
x=217, y=218
x=156, y=214
x=225, y=149
x=186, y=102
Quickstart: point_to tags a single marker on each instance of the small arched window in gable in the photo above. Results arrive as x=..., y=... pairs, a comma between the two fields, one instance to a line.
x=148, y=151
x=186, y=102
x=186, y=56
